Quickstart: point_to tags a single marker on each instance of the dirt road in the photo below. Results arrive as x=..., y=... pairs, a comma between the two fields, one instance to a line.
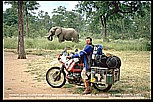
x=20, y=84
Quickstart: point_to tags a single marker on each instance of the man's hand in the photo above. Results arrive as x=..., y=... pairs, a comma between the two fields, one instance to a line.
x=69, y=57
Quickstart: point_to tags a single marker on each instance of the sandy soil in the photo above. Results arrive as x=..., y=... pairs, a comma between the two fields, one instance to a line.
x=18, y=84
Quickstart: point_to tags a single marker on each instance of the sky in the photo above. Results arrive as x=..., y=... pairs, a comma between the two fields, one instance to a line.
x=48, y=6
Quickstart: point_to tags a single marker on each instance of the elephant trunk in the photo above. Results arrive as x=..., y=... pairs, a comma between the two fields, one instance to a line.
x=50, y=38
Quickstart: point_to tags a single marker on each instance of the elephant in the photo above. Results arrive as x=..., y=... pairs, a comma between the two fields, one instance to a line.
x=68, y=34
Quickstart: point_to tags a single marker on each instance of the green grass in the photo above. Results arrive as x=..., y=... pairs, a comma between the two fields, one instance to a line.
x=42, y=43
x=68, y=85
x=10, y=43
x=125, y=45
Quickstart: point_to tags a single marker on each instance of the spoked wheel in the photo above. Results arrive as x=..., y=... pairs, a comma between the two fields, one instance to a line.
x=102, y=87
x=55, y=78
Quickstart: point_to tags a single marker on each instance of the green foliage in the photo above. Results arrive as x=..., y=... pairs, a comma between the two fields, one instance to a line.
x=30, y=5
x=131, y=26
x=120, y=17
x=10, y=17
x=67, y=19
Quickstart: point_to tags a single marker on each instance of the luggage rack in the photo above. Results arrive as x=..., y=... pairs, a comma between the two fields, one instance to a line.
x=100, y=68
x=107, y=71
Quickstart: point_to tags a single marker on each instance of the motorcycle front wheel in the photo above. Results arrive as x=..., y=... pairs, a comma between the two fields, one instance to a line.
x=102, y=87
x=55, y=78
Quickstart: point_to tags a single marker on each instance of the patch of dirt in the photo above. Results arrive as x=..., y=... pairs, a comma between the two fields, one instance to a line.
x=20, y=84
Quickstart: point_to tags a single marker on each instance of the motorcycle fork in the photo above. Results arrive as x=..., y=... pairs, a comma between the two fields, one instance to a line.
x=59, y=73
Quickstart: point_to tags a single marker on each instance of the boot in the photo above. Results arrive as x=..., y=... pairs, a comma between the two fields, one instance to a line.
x=87, y=90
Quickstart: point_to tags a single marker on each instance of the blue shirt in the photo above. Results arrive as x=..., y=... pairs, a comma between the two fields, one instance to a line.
x=87, y=50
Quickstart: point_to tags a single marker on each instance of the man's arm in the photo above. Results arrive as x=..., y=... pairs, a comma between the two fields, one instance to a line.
x=81, y=53
x=86, y=50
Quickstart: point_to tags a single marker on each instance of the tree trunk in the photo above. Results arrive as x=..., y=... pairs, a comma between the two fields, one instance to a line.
x=27, y=31
x=21, y=51
x=103, y=21
x=123, y=29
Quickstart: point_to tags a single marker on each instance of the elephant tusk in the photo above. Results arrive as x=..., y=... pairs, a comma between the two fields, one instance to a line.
x=50, y=38
x=46, y=36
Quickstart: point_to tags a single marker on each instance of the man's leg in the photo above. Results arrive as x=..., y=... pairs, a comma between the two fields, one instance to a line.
x=87, y=90
x=86, y=82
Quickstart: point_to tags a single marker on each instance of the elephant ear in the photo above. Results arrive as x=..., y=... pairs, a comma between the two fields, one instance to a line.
x=58, y=31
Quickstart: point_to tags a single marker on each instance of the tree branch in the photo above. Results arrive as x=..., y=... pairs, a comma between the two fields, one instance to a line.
x=117, y=9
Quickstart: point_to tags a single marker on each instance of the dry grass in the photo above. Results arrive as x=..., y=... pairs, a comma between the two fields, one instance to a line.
x=135, y=71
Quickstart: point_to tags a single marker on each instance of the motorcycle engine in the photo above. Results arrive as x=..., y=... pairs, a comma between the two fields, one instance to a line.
x=74, y=76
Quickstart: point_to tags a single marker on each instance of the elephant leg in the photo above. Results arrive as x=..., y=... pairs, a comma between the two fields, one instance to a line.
x=61, y=38
x=75, y=40
x=70, y=39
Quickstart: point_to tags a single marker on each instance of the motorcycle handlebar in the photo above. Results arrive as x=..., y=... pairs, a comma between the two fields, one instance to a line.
x=59, y=58
x=68, y=57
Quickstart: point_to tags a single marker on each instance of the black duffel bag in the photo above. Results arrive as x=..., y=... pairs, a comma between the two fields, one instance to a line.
x=113, y=62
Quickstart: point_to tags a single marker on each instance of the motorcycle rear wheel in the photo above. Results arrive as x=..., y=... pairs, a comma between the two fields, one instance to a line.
x=102, y=87
x=54, y=79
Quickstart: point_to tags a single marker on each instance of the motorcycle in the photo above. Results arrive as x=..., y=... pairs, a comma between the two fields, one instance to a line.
x=105, y=71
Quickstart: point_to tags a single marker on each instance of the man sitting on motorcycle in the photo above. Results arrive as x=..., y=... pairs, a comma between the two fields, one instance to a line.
x=86, y=54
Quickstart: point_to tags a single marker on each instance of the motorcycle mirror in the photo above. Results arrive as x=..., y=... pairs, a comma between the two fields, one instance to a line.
x=68, y=54
x=72, y=53
x=65, y=49
x=76, y=50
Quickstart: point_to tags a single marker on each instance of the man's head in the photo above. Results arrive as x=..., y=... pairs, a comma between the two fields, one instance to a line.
x=88, y=40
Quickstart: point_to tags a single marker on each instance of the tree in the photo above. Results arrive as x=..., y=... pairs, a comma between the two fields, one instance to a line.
x=27, y=7
x=106, y=10
x=58, y=18
x=68, y=19
x=20, y=50
x=10, y=22
x=10, y=16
